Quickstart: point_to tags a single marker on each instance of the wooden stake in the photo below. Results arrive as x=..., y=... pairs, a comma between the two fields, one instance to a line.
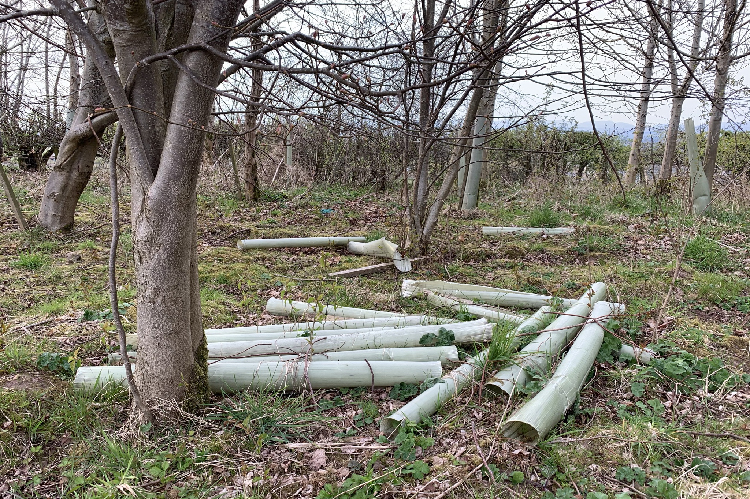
x=12, y=197
x=371, y=269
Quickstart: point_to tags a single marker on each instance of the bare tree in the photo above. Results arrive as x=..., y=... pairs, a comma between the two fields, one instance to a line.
x=74, y=163
x=679, y=89
x=252, y=113
x=493, y=13
x=634, y=160
x=164, y=141
x=732, y=12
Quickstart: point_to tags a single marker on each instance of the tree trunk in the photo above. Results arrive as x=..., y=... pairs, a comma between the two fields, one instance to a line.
x=419, y=192
x=252, y=185
x=172, y=347
x=634, y=160
x=74, y=79
x=723, y=61
x=483, y=125
x=678, y=98
x=75, y=158
x=165, y=163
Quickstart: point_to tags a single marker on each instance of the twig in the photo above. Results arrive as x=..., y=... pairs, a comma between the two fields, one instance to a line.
x=460, y=482
x=372, y=374
x=588, y=103
x=26, y=326
x=677, y=266
x=596, y=437
x=313, y=279
x=629, y=487
x=716, y=435
x=113, y=301
x=481, y=454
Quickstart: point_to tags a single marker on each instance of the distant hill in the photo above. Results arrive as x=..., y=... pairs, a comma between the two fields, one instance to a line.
x=624, y=130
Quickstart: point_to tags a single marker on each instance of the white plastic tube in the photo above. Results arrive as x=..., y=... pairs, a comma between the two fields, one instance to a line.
x=447, y=356
x=536, y=356
x=398, y=321
x=287, y=307
x=538, y=416
x=465, y=332
x=451, y=384
x=382, y=248
x=296, y=242
x=494, y=296
x=489, y=314
x=234, y=377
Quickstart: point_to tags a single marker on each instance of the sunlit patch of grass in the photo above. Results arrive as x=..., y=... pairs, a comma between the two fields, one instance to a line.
x=545, y=216
x=88, y=244
x=31, y=261
x=706, y=254
x=717, y=288
x=15, y=354
x=52, y=307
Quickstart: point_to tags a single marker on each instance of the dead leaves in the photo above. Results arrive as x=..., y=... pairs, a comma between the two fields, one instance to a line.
x=317, y=459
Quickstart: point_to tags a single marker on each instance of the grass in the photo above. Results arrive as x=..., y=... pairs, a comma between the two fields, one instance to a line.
x=31, y=261
x=56, y=442
x=544, y=216
x=706, y=254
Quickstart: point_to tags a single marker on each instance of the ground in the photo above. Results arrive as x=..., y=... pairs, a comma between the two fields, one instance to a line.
x=677, y=428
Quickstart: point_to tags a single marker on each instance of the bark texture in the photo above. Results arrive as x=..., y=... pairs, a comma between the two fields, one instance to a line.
x=172, y=346
x=252, y=185
x=164, y=153
x=483, y=124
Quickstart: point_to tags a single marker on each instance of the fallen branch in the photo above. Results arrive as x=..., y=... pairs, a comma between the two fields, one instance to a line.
x=370, y=269
x=731, y=436
x=557, y=231
x=10, y=195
